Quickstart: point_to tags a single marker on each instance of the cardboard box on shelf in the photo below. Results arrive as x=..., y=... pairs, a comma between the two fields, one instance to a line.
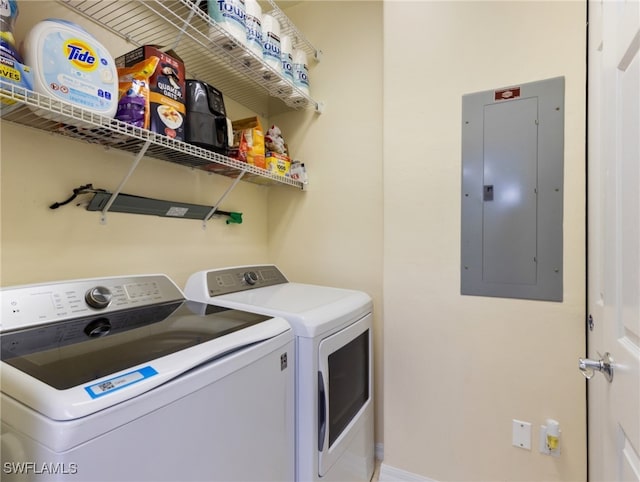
x=167, y=89
x=278, y=163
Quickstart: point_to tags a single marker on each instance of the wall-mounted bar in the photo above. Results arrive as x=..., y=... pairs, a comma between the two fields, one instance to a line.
x=127, y=203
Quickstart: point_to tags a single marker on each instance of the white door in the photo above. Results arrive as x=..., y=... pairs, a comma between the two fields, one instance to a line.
x=345, y=401
x=614, y=239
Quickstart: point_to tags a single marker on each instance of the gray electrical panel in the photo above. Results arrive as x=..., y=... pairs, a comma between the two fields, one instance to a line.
x=512, y=191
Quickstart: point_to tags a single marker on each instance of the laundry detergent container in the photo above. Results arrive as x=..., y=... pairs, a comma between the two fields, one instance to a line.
x=70, y=65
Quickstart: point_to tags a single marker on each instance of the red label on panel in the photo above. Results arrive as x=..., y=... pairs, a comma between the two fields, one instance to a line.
x=506, y=94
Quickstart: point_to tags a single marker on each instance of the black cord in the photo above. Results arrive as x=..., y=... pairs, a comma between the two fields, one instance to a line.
x=79, y=190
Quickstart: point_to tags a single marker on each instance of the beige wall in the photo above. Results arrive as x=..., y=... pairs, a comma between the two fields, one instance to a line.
x=39, y=244
x=459, y=369
x=332, y=234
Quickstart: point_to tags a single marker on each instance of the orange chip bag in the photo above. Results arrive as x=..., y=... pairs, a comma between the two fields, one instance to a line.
x=248, y=140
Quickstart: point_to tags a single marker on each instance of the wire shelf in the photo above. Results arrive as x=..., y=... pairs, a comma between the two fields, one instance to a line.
x=44, y=113
x=184, y=27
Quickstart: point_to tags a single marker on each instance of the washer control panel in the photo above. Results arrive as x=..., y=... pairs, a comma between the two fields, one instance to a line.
x=31, y=305
x=231, y=280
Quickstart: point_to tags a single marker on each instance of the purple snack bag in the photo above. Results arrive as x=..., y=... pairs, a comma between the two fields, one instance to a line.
x=132, y=105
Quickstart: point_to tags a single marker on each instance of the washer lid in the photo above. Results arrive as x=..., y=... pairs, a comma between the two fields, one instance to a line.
x=62, y=371
x=310, y=309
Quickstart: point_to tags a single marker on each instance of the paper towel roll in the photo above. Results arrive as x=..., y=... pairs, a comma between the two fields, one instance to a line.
x=300, y=71
x=286, y=55
x=231, y=16
x=254, y=26
x=271, y=42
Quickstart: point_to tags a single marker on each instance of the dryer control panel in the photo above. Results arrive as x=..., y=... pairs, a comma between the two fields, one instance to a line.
x=242, y=278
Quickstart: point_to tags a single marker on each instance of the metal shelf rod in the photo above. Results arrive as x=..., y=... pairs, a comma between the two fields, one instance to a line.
x=222, y=198
x=229, y=65
x=136, y=161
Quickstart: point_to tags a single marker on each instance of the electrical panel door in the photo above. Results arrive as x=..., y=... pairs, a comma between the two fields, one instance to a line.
x=512, y=188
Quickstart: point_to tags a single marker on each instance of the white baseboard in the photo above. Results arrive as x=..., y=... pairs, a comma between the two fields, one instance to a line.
x=392, y=474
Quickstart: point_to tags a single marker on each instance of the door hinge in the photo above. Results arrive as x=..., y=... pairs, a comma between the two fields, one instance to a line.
x=590, y=322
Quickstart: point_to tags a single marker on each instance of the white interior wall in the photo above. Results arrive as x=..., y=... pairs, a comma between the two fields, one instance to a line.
x=332, y=234
x=458, y=369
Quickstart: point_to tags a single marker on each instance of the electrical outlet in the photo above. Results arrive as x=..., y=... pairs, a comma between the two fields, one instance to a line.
x=521, y=434
x=544, y=448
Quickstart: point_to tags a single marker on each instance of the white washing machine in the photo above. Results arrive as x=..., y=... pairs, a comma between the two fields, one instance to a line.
x=334, y=382
x=122, y=379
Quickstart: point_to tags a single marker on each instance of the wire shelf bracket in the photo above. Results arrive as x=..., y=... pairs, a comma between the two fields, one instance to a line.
x=134, y=165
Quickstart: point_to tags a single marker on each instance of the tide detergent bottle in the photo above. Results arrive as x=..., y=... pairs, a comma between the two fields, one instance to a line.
x=70, y=65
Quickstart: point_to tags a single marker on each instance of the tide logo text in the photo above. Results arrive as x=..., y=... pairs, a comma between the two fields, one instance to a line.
x=81, y=55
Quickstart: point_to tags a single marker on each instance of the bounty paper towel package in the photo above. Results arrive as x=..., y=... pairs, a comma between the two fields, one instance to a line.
x=300, y=71
x=271, y=42
x=231, y=16
x=254, y=27
x=69, y=64
x=286, y=55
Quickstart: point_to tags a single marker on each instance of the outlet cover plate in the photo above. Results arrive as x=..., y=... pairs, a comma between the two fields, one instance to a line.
x=521, y=434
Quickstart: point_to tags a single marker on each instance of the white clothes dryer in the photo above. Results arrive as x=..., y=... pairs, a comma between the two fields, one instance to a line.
x=334, y=374
x=122, y=379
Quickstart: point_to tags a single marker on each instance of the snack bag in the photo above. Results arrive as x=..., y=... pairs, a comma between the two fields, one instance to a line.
x=274, y=141
x=248, y=142
x=133, y=92
x=166, y=89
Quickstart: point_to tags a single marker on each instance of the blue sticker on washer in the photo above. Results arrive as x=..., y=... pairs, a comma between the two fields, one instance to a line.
x=107, y=386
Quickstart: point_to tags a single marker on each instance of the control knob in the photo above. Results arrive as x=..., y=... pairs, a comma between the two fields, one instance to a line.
x=250, y=277
x=98, y=297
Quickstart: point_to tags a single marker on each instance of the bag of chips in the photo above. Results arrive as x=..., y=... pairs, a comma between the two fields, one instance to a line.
x=248, y=142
